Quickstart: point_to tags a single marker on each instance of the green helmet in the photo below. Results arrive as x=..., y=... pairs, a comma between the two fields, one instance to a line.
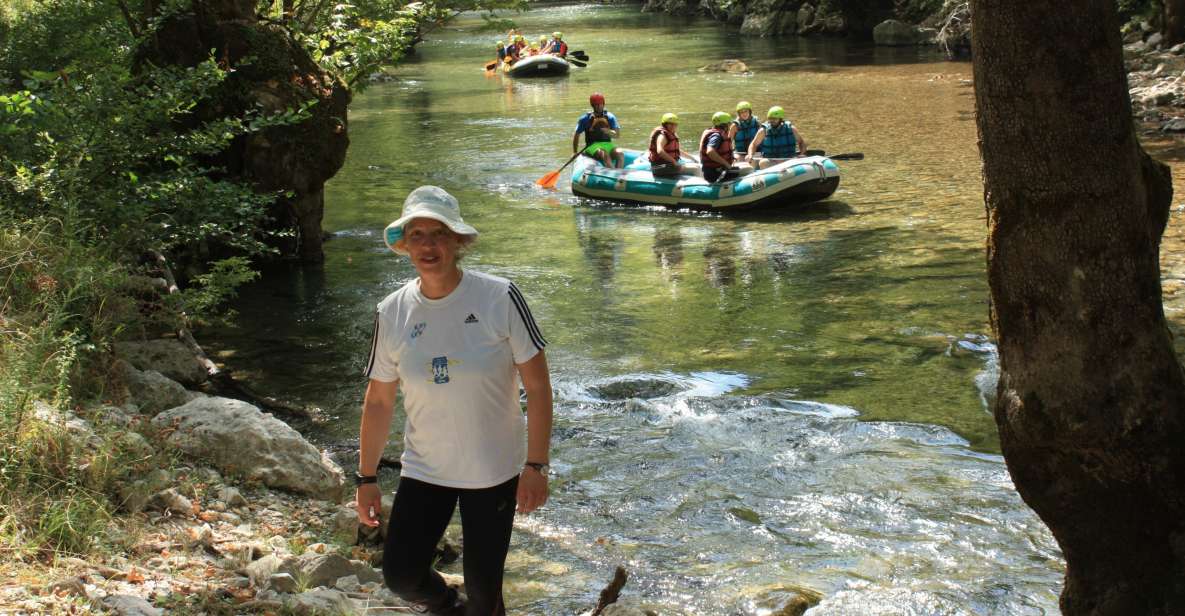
x=776, y=112
x=558, y=35
x=501, y=43
x=519, y=37
x=670, y=118
x=744, y=105
x=720, y=117
x=543, y=40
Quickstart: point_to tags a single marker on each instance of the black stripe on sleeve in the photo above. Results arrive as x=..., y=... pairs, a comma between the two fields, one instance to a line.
x=524, y=313
x=374, y=344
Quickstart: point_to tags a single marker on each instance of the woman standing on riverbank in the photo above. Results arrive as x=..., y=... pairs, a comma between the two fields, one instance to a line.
x=457, y=340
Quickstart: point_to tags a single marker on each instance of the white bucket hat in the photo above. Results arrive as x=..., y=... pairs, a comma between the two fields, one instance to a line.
x=427, y=202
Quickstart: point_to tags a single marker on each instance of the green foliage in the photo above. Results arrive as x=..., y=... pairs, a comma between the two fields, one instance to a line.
x=109, y=154
x=214, y=288
x=60, y=298
x=355, y=40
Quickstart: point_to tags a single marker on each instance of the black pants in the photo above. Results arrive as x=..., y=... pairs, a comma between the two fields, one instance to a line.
x=418, y=519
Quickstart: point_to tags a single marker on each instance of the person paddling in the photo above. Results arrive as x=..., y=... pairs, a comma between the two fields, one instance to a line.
x=776, y=139
x=743, y=129
x=664, y=151
x=715, y=148
x=599, y=127
x=558, y=46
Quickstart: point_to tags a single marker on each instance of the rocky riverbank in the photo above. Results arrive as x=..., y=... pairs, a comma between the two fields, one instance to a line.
x=232, y=510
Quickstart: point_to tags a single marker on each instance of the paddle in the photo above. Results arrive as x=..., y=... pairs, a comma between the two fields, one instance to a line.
x=575, y=62
x=579, y=54
x=491, y=65
x=549, y=180
x=848, y=156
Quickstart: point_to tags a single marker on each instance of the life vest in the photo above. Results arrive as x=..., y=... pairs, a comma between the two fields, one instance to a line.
x=598, y=128
x=511, y=52
x=779, y=142
x=672, y=147
x=558, y=48
x=724, y=150
x=746, y=130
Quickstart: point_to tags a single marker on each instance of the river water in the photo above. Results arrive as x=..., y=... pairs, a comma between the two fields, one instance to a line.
x=745, y=407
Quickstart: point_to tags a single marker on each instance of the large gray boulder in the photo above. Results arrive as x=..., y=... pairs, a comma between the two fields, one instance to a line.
x=170, y=357
x=895, y=33
x=152, y=391
x=237, y=437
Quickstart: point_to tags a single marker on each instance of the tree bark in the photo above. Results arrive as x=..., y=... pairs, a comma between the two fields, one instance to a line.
x=1174, y=22
x=1091, y=396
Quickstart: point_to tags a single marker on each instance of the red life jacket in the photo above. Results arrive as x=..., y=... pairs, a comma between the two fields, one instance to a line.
x=672, y=147
x=724, y=149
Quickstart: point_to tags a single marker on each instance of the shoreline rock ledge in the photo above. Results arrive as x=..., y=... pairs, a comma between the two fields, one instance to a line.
x=236, y=437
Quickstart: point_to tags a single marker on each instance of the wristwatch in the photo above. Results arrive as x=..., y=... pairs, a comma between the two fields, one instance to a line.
x=542, y=467
x=360, y=479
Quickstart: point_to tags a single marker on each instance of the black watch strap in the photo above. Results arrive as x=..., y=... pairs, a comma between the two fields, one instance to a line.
x=539, y=466
x=360, y=479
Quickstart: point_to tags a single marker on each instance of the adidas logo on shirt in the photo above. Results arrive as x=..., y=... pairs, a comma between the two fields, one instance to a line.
x=471, y=318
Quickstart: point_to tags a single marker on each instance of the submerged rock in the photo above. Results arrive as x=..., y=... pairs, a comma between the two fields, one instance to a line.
x=236, y=436
x=731, y=65
x=627, y=389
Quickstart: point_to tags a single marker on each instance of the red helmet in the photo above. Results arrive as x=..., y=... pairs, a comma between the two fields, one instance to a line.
x=596, y=99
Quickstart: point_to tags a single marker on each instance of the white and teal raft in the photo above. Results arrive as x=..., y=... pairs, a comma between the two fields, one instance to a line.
x=790, y=183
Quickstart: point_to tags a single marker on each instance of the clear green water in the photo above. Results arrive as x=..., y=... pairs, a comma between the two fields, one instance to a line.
x=743, y=405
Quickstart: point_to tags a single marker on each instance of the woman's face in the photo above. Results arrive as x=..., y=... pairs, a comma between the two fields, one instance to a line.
x=431, y=245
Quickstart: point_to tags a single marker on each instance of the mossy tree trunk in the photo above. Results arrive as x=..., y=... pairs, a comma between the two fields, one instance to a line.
x=1091, y=404
x=297, y=159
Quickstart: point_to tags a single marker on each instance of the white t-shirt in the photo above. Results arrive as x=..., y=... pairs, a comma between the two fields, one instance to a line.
x=456, y=357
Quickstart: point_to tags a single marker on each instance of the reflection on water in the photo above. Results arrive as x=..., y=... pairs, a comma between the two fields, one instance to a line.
x=745, y=405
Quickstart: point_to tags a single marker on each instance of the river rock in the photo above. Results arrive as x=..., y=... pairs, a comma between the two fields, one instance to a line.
x=73, y=586
x=232, y=497
x=171, y=500
x=170, y=357
x=1175, y=125
x=787, y=601
x=314, y=570
x=128, y=605
x=152, y=391
x=731, y=65
x=282, y=582
x=895, y=33
x=237, y=437
x=78, y=430
x=321, y=601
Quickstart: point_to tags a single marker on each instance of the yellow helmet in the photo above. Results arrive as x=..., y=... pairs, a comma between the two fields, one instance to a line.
x=776, y=112
x=744, y=105
x=558, y=35
x=720, y=117
x=670, y=118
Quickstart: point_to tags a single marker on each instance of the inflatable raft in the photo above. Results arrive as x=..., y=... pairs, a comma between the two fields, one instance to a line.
x=543, y=65
x=793, y=182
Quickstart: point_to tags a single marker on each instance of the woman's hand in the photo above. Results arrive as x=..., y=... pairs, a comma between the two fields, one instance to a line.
x=369, y=504
x=532, y=490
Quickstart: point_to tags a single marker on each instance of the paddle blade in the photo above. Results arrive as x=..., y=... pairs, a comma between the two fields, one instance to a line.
x=549, y=180
x=491, y=65
x=578, y=63
x=848, y=156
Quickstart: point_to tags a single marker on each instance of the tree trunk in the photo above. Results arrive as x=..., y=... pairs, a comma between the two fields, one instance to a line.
x=272, y=73
x=1174, y=22
x=1091, y=395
